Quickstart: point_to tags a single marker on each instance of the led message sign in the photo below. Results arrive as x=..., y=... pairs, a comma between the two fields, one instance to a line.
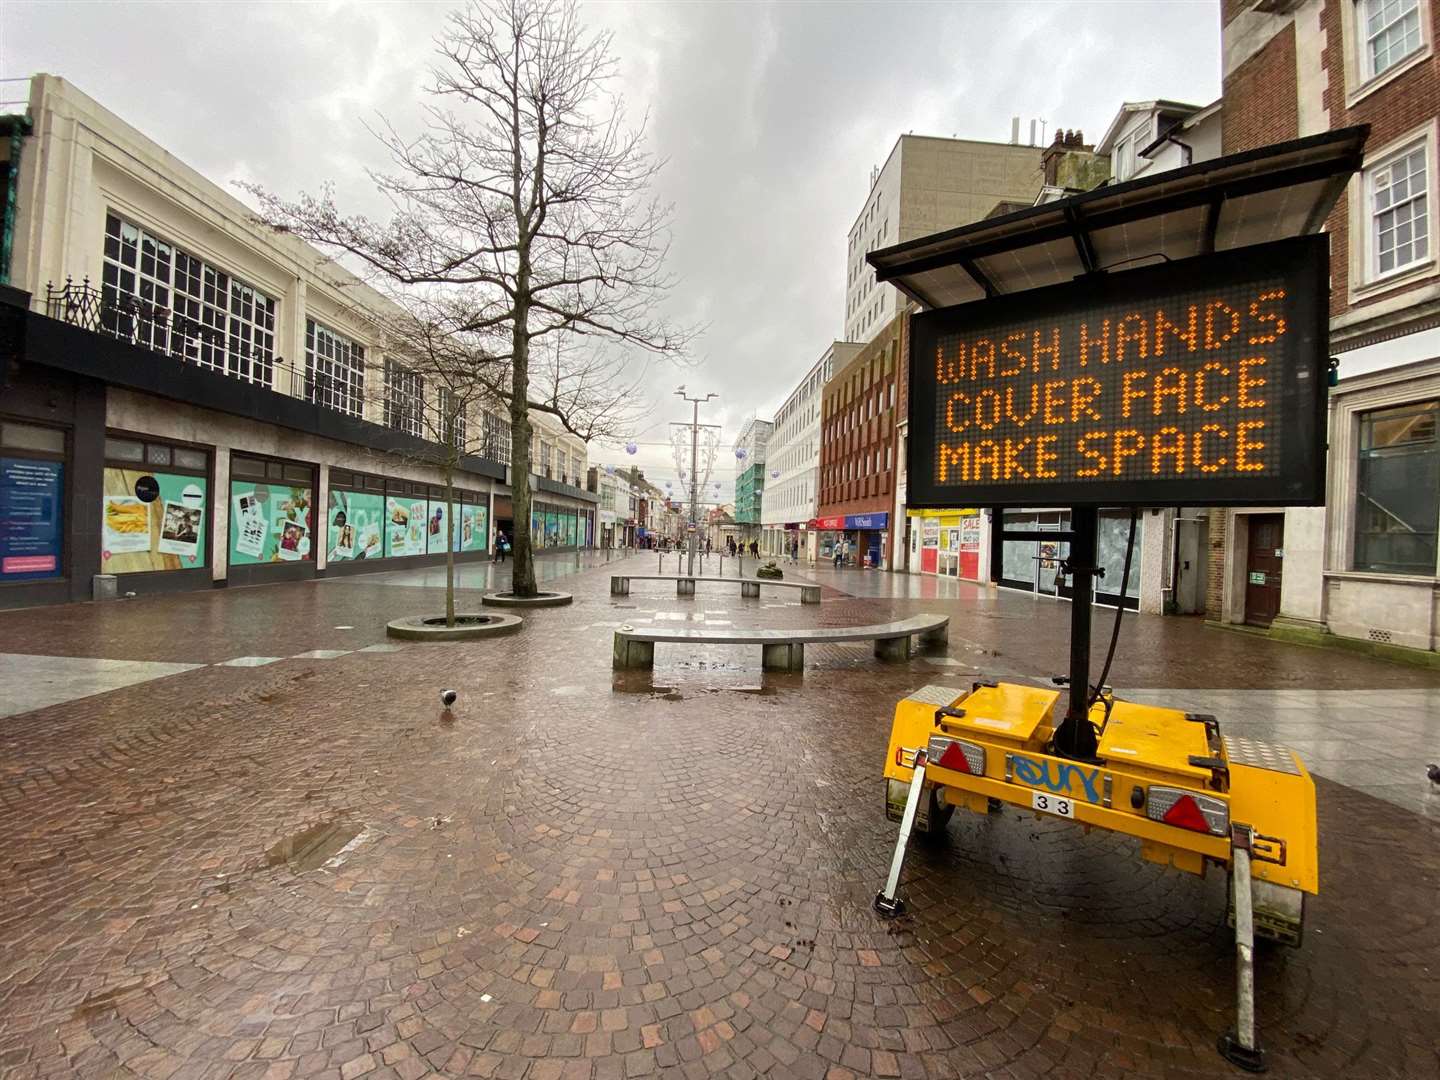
x=1194, y=383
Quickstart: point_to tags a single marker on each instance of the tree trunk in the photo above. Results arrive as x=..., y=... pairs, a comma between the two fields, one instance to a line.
x=450, y=539
x=522, y=572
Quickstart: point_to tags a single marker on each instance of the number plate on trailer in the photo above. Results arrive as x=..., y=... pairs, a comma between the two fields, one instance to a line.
x=1059, y=805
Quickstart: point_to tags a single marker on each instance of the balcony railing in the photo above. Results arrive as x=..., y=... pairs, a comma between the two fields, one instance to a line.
x=167, y=332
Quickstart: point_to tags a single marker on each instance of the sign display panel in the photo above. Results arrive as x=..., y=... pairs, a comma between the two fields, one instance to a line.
x=1200, y=382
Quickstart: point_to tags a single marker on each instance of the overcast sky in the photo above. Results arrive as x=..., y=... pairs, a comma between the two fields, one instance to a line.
x=770, y=115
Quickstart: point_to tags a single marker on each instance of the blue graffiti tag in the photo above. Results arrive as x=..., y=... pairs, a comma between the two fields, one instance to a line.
x=1056, y=776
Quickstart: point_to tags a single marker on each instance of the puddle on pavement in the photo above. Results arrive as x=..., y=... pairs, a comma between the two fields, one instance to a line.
x=312, y=848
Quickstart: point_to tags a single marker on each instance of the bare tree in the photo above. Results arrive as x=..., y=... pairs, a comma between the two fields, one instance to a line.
x=524, y=202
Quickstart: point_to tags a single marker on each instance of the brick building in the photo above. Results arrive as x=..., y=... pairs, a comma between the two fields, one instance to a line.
x=1364, y=566
x=857, y=447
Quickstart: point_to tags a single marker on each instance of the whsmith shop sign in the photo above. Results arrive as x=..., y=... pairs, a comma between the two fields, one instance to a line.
x=1200, y=382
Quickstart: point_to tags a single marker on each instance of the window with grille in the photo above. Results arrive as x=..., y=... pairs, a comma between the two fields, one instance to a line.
x=496, y=445
x=1400, y=210
x=1391, y=32
x=1397, y=499
x=452, y=419
x=404, y=399
x=165, y=299
x=334, y=370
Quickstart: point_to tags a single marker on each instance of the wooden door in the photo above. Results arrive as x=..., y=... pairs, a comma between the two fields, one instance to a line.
x=1263, y=568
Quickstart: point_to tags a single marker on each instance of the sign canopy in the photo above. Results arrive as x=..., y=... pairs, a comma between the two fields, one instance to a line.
x=1198, y=382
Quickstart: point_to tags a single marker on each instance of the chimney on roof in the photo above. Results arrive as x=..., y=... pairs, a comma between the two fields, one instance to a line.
x=1032, y=132
x=1015, y=131
x=1066, y=143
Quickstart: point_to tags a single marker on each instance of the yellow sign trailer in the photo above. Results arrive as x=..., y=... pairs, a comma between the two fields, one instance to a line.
x=1190, y=795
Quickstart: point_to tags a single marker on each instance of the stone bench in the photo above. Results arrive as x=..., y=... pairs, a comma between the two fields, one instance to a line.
x=782, y=650
x=685, y=586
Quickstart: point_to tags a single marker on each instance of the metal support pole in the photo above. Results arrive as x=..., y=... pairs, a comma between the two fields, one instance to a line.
x=887, y=903
x=1075, y=737
x=1240, y=1046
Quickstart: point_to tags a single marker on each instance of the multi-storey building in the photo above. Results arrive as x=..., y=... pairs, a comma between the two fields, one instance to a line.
x=1364, y=567
x=750, y=451
x=192, y=399
x=793, y=460
x=926, y=185
x=857, y=448
x=1167, y=567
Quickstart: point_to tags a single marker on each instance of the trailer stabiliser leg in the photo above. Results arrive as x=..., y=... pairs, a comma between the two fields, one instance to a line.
x=887, y=903
x=1240, y=1047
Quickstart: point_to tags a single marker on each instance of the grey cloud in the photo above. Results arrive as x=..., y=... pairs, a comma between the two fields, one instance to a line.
x=771, y=116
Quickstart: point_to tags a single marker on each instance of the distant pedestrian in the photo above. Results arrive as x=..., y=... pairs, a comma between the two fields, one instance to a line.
x=502, y=545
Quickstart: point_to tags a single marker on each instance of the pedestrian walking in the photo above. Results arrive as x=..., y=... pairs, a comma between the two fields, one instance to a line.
x=502, y=545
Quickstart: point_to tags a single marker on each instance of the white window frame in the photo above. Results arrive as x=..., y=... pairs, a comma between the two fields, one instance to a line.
x=334, y=369
x=1359, y=82
x=1365, y=278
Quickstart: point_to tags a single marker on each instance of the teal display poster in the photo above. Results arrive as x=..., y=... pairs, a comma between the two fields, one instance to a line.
x=470, y=530
x=537, y=528
x=552, y=529
x=269, y=523
x=435, y=530
x=569, y=530
x=356, y=526
x=151, y=521
x=405, y=526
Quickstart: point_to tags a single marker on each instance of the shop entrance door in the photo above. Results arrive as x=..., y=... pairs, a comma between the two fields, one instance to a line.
x=1263, y=568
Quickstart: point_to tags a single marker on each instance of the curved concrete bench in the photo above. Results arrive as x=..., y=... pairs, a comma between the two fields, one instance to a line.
x=782, y=650
x=685, y=586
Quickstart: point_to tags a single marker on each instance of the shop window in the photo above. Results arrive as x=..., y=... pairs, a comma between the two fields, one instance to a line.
x=32, y=498
x=153, y=519
x=247, y=467
x=334, y=370
x=1397, y=501
x=270, y=521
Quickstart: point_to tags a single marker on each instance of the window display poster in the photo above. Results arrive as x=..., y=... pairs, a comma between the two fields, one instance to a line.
x=151, y=521
x=570, y=530
x=269, y=523
x=552, y=529
x=356, y=526
x=30, y=510
x=405, y=526
x=435, y=526
x=470, y=528
x=537, y=528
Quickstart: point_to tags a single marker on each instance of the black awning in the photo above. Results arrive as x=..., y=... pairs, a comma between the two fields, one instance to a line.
x=1255, y=197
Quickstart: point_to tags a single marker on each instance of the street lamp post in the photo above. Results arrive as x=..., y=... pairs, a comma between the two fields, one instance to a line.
x=693, y=531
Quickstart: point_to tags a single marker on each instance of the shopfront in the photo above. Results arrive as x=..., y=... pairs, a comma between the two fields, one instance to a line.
x=948, y=543
x=271, y=520
x=32, y=502
x=866, y=535
x=1032, y=564
x=155, y=512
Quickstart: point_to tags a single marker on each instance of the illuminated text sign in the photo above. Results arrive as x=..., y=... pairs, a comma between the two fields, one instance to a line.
x=1194, y=383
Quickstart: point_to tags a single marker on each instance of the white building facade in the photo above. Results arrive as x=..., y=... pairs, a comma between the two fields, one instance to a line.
x=926, y=185
x=793, y=459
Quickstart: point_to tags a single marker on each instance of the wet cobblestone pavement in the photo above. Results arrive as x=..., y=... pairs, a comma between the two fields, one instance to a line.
x=303, y=868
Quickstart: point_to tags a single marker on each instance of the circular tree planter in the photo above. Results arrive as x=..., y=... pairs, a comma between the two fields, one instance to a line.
x=467, y=625
x=541, y=599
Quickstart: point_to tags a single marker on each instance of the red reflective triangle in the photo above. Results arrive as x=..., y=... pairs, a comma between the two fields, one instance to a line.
x=1186, y=815
x=954, y=758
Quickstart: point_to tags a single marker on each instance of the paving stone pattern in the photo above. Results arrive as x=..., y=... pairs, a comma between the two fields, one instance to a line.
x=581, y=875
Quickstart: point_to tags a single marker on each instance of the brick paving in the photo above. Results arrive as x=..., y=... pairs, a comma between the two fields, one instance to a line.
x=584, y=875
